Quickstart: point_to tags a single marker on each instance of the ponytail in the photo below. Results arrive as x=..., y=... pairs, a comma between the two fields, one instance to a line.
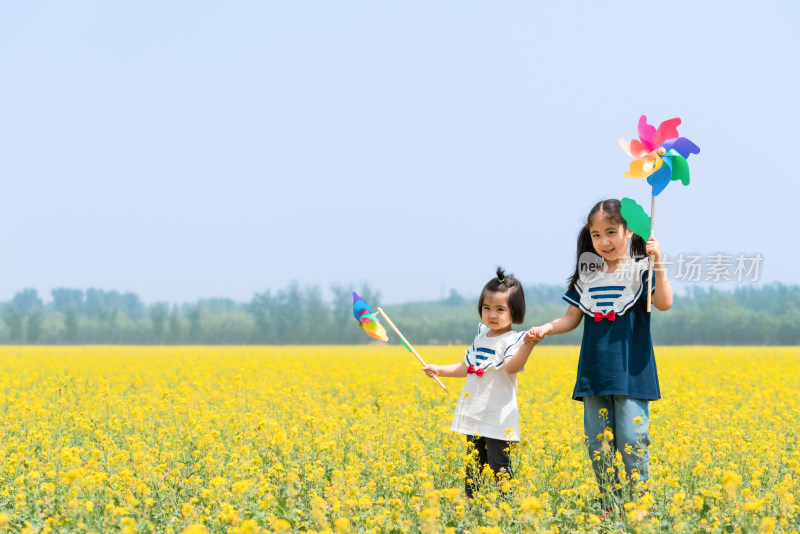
x=584, y=245
x=638, y=247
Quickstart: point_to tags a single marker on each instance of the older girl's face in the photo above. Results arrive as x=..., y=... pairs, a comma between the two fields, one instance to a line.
x=609, y=238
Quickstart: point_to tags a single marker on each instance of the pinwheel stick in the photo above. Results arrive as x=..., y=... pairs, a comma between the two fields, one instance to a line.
x=408, y=345
x=650, y=264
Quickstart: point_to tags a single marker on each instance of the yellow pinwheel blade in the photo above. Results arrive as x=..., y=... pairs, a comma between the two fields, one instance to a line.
x=376, y=330
x=644, y=167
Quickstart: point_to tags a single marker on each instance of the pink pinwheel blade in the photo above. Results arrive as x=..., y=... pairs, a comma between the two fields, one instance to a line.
x=666, y=130
x=646, y=134
x=638, y=150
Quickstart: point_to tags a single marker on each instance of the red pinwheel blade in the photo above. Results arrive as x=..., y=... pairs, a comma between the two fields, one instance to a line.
x=666, y=130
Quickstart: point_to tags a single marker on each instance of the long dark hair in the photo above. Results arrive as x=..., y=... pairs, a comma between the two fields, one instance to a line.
x=516, y=296
x=611, y=209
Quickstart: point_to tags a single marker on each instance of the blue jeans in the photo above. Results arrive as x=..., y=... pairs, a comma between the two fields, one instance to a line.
x=628, y=421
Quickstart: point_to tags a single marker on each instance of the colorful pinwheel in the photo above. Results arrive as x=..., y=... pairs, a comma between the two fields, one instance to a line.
x=659, y=155
x=366, y=319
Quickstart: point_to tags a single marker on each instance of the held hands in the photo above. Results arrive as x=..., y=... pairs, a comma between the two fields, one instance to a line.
x=535, y=334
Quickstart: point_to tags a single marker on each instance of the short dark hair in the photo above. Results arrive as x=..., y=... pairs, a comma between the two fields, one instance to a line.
x=516, y=296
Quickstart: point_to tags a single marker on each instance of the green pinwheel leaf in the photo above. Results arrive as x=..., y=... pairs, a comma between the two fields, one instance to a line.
x=638, y=221
x=680, y=167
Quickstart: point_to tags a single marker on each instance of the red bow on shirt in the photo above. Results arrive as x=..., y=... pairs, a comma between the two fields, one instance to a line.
x=598, y=316
x=474, y=371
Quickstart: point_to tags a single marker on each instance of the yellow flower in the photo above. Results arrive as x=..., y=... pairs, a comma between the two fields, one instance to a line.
x=767, y=525
x=281, y=525
x=73, y=475
x=342, y=525
x=249, y=526
x=531, y=505
x=731, y=482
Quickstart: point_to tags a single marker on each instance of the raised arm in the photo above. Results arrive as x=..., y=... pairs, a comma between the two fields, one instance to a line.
x=455, y=370
x=662, y=296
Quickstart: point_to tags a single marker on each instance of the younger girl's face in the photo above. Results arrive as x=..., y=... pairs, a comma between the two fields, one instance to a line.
x=609, y=238
x=495, y=312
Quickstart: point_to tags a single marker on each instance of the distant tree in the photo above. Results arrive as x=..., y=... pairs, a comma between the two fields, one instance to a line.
x=26, y=300
x=96, y=305
x=194, y=313
x=110, y=333
x=261, y=307
x=454, y=299
x=317, y=316
x=131, y=305
x=14, y=321
x=291, y=323
x=175, y=326
x=34, y=327
x=63, y=297
x=218, y=306
x=158, y=315
x=71, y=322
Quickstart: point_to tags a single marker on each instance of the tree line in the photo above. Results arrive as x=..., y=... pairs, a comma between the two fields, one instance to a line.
x=768, y=315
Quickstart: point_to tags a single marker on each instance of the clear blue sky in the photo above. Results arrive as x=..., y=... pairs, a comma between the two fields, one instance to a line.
x=192, y=149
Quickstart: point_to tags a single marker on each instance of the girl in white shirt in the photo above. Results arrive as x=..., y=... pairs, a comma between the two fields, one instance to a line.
x=487, y=410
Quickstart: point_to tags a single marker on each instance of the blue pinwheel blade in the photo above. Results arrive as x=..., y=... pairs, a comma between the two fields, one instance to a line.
x=660, y=179
x=360, y=307
x=681, y=145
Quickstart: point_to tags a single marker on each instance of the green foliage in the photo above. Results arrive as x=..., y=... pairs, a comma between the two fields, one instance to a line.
x=158, y=315
x=71, y=322
x=14, y=319
x=33, y=328
x=26, y=301
x=768, y=315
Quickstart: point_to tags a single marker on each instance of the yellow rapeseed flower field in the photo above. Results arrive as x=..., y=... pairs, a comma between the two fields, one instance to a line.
x=356, y=439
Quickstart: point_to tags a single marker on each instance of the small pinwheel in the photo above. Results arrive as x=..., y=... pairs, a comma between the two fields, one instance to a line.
x=659, y=155
x=367, y=320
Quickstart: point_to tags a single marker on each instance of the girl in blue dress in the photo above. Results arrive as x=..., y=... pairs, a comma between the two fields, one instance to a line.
x=617, y=375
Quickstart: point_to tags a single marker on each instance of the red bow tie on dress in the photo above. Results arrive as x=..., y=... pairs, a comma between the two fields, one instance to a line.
x=598, y=316
x=474, y=371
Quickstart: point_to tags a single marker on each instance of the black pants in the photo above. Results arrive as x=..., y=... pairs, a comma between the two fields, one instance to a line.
x=490, y=451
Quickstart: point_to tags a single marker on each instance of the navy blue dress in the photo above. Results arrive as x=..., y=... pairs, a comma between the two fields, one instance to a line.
x=616, y=356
